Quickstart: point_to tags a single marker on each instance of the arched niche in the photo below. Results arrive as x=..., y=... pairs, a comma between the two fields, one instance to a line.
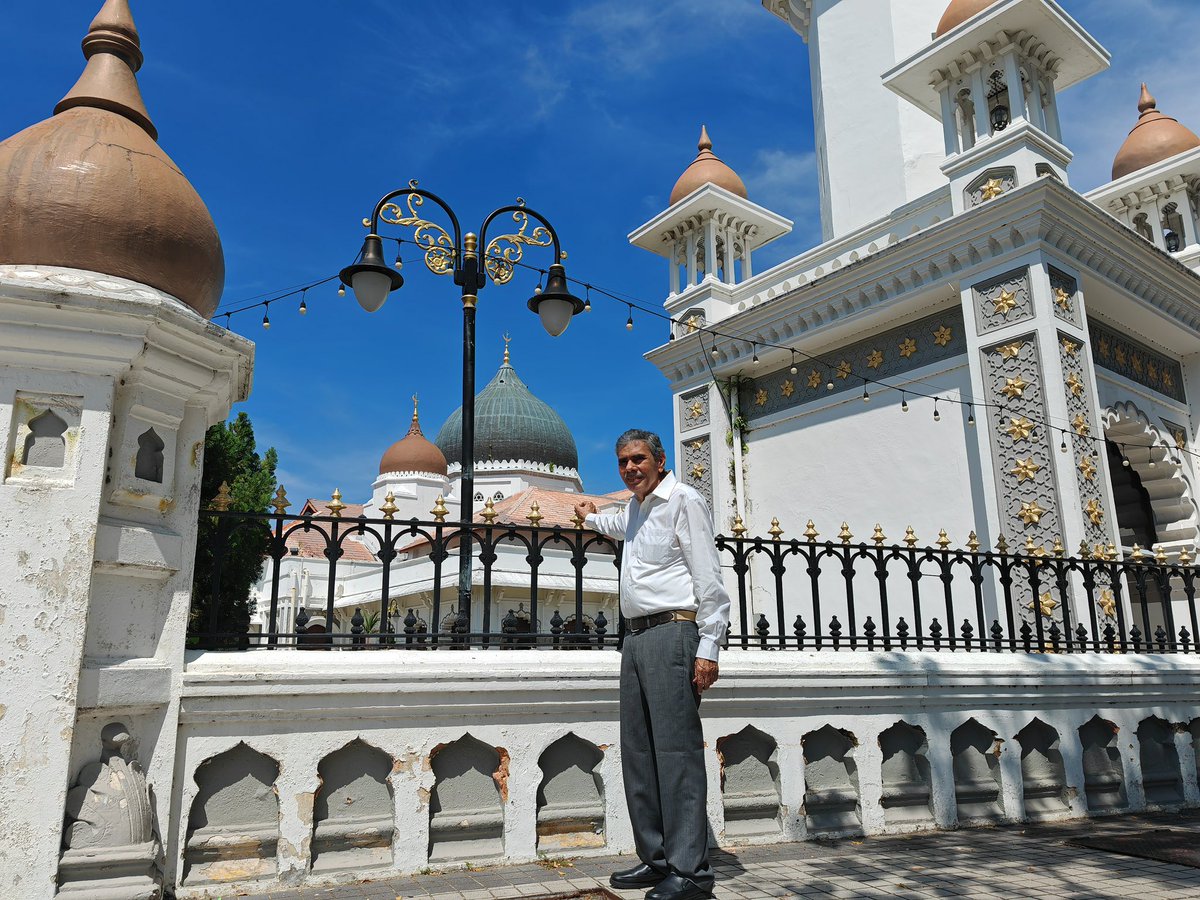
x=1103, y=774
x=1043, y=775
x=352, y=812
x=975, y=750
x=906, y=781
x=46, y=443
x=831, y=781
x=148, y=465
x=233, y=826
x=466, y=807
x=750, y=783
x=570, y=797
x=1162, y=780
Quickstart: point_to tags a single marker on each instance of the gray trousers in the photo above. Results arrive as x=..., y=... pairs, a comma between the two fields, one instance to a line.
x=662, y=750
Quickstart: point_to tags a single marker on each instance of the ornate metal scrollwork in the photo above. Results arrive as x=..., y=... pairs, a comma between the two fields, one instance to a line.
x=429, y=236
x=504, y=250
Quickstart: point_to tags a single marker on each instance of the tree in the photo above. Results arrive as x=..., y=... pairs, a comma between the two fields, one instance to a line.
x=240, y=546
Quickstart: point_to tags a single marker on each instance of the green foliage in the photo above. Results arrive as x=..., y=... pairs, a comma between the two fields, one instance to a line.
x=239, y=548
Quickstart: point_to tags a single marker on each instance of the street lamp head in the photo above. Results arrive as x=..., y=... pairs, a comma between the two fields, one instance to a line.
x=371, y=278
x=556, y=304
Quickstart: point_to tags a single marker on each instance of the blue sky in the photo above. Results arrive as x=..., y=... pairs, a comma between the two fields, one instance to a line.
x=291, y=119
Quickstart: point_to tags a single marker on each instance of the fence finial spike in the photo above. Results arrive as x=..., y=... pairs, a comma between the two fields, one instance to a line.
x=223, y=500
x=775, y=531
x=439, y=510
x=389, y=508
x=1112, y=552
x=335, y=504
x=973, y=542
x=943, y=540
x=739, y=527
x=910, y=537
x=1185, y=557
x=1160, y=555
x=1058, y=549
x=1085, y=552
x=489, y=511
x=844, y=534
x=878, y=536
x=534, y=515
x=1136, y=555
x=280, y=503
x=810, y=531
x=1002, y=543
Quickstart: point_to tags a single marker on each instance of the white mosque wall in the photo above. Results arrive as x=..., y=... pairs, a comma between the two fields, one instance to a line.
x=797, y=745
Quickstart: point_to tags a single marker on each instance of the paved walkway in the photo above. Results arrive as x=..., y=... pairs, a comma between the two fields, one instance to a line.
x=1005, y=862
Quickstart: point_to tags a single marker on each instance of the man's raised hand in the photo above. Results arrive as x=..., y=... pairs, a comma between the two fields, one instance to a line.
x=583, y=507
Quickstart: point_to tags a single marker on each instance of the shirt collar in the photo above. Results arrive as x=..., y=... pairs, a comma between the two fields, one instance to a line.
x=665, y=486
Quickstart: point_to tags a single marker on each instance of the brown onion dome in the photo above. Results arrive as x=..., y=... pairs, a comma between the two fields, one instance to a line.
x=1154, y=138
x=89, y=188
x=958, y=12
x=413, y=453
x=706, y=168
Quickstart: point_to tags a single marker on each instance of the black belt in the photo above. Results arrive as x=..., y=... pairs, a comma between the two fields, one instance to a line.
x=641, y=623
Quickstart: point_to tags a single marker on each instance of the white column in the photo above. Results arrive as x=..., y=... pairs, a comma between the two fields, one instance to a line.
x=747, y=270
x=673, y=280
x=1156, y=226
x=1053, y=126
x=1016, y=92
x=1037, y=110
x=1184, y=205
x=729, y=279
x=949, y=122
x=710, y=249
x=983, y=125
x=691, y=258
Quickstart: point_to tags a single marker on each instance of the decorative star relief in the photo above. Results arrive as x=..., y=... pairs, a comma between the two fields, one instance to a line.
x=1104, y=347
x=788, y=389
x=696, y=410
x=1136, y=362
x=1180, y=438
x=1081, y=426
x=942, y=336
x=908, y=347
x=1046, y=604
x=1069, y=347
x=1019, y=428
x=1031, y=512
x=1094, y=511
x=1074, y=385
x=1107, y=603
x=697, y=471
x=814, y=379
x=1152, y=371
x=1168, y=380
x=1014, y=387
x=697, y=445
x=1026, y=470
x=875, y=359
x=693, y=323
x=844, y=369
x=993, y=189
x=1011, y=351
x=760, y=397
x=1062, y=298
x=1005, y=303
x=1087, y=468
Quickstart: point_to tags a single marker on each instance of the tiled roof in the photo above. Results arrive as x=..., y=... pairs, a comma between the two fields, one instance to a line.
x=311, y=544
x=555, y=507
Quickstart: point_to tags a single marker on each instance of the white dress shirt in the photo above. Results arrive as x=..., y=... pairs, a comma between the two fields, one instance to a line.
x=670, y=559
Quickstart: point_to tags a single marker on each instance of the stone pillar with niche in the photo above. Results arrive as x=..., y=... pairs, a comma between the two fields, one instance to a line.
x=1041, y=436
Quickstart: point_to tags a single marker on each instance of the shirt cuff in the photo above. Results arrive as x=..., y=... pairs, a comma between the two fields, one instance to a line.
x=708, y=649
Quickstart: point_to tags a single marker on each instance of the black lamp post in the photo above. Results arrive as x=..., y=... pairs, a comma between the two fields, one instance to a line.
x=458, y=254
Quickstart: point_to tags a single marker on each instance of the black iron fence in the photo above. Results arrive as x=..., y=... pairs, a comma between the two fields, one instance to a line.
x=802, y=594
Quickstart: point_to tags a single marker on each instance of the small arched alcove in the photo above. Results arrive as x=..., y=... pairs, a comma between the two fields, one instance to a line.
x=1043, y=775
x=975, y=750
x=1162, y=781
x=906, y=783
x=749, y=783
x=570, y=797
x=233, y=827
x=46, y=443
x=148, y=465
x=1103, y=775
x=466, y=808
x=831, y=781
x=352, y=814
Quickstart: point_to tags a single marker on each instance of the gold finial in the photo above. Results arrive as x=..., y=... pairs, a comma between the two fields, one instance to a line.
x=739, y=527
x=1146, y=101
x=414, y=409
x=705, y=142
x=335, y=504
x=1085, y=552
x=1100, y=553
x=1136, y=555
x=775, y=531
x=507, y=341
x=844, y=535
x=1185, y=557
x=1002, y=544
x=439, y=510
x=1112, y=552
x=910, y=537
x=222, y=501
x=973, y=542
x=810, y=531
x=489, y=511
x=534, y=515
x=1058, y=549
x=943, y=540
x=470, y=243
x=1160, y=555
x=878, y=536
x=280, y=503
x=1029, y=546
x=389, y=508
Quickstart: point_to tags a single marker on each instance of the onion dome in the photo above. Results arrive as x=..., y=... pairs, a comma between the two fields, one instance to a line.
x=413, y=452
x=706, y=168
x=511, y=424
x=89, y=188
x=1154, y=138
x=958, y=12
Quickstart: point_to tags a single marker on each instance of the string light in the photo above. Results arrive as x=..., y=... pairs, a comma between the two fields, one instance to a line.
x=714, y=352
x=937, y=416
x=629, y=321
x=793, y=369
x=303, y=303
x=755, y=360
x=537, y=290
x=1151, y=464
x=266, y=318
x=971, y=415
x=587, y=300
x=399, y=263
x=1063, y=446
x=866, y=395
x=341, y=290
x=903, y=402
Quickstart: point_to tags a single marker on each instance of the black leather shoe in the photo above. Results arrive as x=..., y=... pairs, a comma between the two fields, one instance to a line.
x=641, y=875
x=676, y=887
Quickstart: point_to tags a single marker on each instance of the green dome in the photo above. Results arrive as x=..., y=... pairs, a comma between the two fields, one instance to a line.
x=511, y=423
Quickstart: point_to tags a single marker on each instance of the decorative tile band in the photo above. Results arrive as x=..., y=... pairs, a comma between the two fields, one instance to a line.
x=929, y=340
x=1088, y=472
x=1136, y=361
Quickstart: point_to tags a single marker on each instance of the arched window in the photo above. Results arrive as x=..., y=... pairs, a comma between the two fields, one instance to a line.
x=479, y=497
x=499, y=495
x=1172, y=225
x=965, y=117
x=1141, y=224
x=149, y=463
x=46, y=445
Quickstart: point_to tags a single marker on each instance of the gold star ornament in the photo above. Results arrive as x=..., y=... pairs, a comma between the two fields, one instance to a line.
x=1094, y=511
x=1081, y=426
x=1062, y=298
x=1011, y=351
x=698, y=471
x=1031, y=512
x=1074, y=385
x=760, y=397
x=875, y=359
x=993, y=189
x=1069, y=347
x=1046, y=604
x=844, y=369
x=1107, y=603
x=696, y=410
x=942, y=336
x=1014, y=387
x=908, y=347
x=814, y=379
x=1025, y=470
x=788, y=389
x=1005, y=303
x=1087, y=468
x=1019, y=428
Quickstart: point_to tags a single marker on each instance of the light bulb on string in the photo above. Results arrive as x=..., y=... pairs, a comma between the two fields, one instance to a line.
x=713, y=351
x=937, y=415
x=303, y=303
x=903, y=402
x=829, y=381
x=1063, y=446
x=866, y=395
x=971, y=415
x=1151, y=464
x=266, y=319
x=1124, y=457
x=399, y=263
x=587, y=298
x=793, y=369
x=755, y=360
x=629, y=321
x=537, y=290
x=341, y=290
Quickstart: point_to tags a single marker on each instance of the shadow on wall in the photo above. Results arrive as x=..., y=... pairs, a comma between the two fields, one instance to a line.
x=570, y=797
x=466, y=809
x=750, y=783
x=352, y=813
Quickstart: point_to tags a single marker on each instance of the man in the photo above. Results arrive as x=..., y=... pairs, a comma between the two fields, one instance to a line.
x=676, y=615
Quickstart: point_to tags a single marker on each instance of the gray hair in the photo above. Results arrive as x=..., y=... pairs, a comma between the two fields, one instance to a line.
x=649, y=438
